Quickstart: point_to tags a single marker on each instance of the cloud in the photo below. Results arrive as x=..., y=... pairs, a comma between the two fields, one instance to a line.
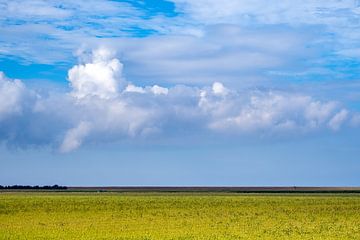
x=64, y=12
x=12, y=94
x=184, y=71
x=14, y=97
x=331, y=17
x=40, y=31
x=96, y=110
x=74, y=137
x=200, y=43
x=132, y=88
x=284, y=12
x=101, y=77
x=274, y=112
x=157, y=90
x=219, y=89
x=337, y=120
x=222, y=53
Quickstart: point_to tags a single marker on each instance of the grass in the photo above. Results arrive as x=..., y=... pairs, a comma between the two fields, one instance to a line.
x=178, y=216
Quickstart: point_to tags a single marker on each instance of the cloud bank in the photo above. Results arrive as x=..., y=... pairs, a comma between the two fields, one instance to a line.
x=102, y=106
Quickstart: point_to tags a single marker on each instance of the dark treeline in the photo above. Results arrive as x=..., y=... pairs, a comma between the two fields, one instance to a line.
x=54, y=187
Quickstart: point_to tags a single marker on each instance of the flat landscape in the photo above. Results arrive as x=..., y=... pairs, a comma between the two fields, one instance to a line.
x=178, y=215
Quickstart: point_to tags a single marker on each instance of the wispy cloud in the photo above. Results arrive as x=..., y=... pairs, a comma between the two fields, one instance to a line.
x=38, y=30
x=198, y=40
x=226, y=52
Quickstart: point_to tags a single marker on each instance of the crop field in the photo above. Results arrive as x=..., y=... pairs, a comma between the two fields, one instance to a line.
x=39, y=215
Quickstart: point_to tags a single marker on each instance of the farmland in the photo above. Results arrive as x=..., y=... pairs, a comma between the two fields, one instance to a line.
x=106, y=215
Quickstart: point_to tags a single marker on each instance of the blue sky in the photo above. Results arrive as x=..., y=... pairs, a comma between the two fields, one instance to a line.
x=180, y=92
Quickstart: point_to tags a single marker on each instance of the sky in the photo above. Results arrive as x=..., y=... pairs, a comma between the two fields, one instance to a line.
x=180, y=93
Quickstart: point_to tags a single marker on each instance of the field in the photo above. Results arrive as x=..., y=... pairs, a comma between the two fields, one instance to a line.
x=41, y=215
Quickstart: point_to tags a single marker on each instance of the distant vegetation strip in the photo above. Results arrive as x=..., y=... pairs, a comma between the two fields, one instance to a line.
x=188, y=189
x=221, y=189
x=28, y=187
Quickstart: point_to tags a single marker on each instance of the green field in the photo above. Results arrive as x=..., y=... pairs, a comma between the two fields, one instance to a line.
x=178, y=216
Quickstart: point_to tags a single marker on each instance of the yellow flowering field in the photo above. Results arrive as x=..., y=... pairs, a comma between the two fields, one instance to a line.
x=166, y=216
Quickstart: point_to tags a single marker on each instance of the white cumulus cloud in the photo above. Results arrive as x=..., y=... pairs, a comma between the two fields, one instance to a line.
x=101, y=78
x=11, y=96
x=270, y=111
x=157, y=90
